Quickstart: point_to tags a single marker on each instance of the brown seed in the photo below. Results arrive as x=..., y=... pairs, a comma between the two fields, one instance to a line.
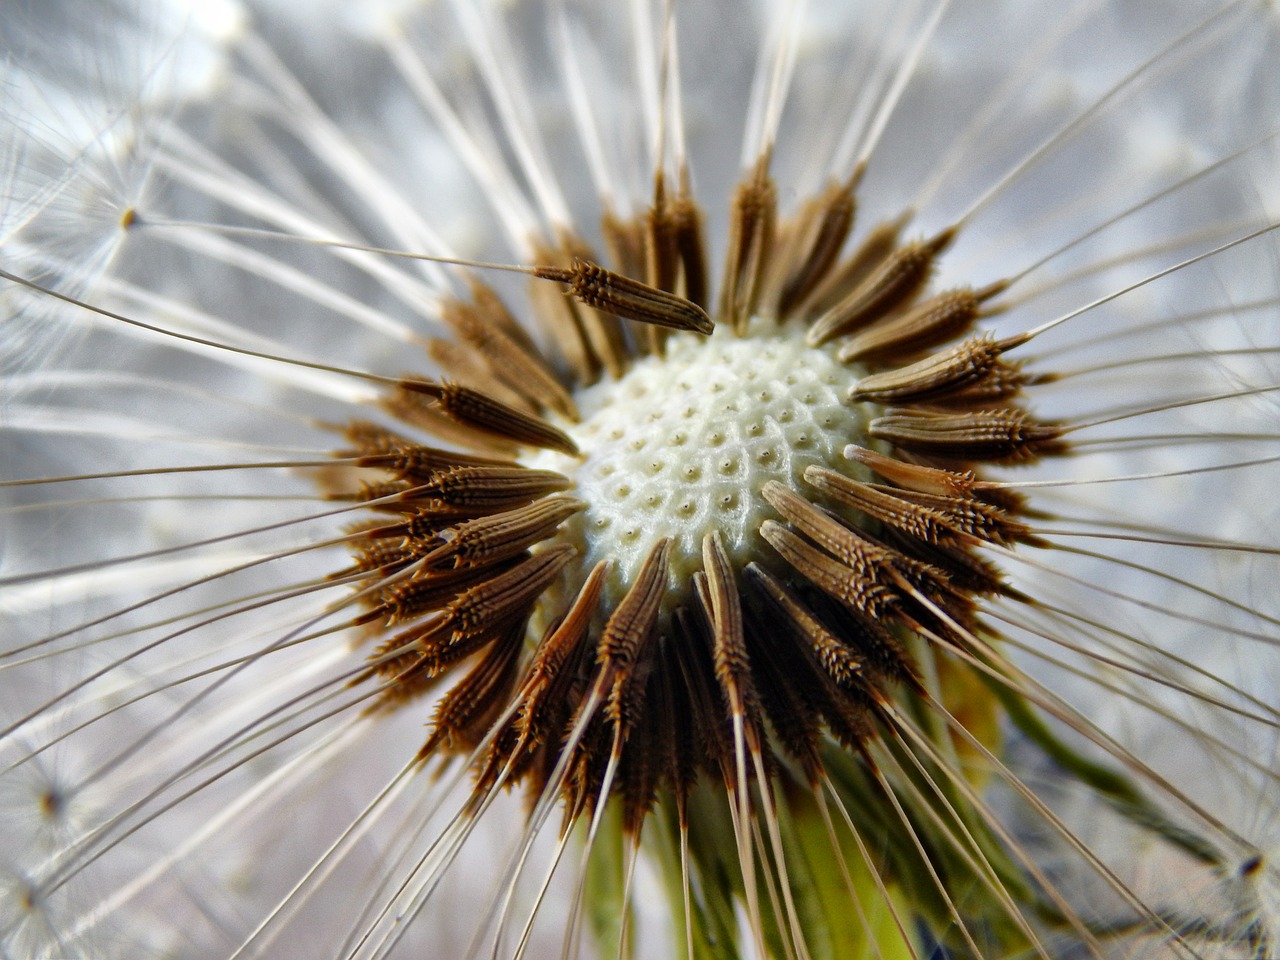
x=462, y=715
x=1000, y=436
x=790, y=696
x=819, y=234
x=488, y=488
x=471, y=618
x=403, y=676
x=924, y=516
x=647, y=761
x=752, y=224
x=369, y=438
x=507, y=593
x=686, y=218
x=710, y=731
x=842, y=664
x=874, y=561
x=864, y=588
x=473, y=409
x=415, y=406
x=554, y=655
x=935, y=377
x=509, y=361
x=719, y=594
x=662, y=264
x=464, y=364
x=495, y=315
x=606, y=334
x=637, y=613
x=624, y=241
x=366, y=491
x=913, y=476
x=895, y=281
x=418, y=462
x=923, y=327
x=566, y=324
x=416, y=596
x=489, y=539
x=627, y=298
x=874, y=249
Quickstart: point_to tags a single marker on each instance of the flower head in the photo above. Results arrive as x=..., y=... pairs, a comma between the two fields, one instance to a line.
x=824, y=547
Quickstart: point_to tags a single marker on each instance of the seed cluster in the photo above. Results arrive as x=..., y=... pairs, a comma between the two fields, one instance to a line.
x=683, y=444
x=723, y=552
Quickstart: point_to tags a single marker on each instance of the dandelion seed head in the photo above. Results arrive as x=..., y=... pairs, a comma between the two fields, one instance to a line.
x=845, y=681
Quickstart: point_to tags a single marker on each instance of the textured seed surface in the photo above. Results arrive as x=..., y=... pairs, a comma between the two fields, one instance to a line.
x=683, y=445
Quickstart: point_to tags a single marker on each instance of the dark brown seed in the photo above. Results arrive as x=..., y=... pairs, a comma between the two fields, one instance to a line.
x=964, y=569
x=935, y=377
x=492, y=488
x=508, y=593
x=412, y=405
x=874, y=249
x=507, y=360
x=819, y=234
x=879, y=565
x=648, y=761
x=841, y=663
x=462, y=716
x=894, y=282
x=729, y=644
x=489, y=539
x=418, y=462
x=471, y=619
x=1000, y=436
x=686, y=218
x=785, y=684
x=923, y=327
x=383, y=557
x=473, y=409
x=928, y=517
x=713, y=741
x=865, y=589
x=752, y=224
x=637, y=613
x=416, y=596
x=626, y=298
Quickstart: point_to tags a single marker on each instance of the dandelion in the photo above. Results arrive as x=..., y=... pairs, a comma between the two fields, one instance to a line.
x=653, y=479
